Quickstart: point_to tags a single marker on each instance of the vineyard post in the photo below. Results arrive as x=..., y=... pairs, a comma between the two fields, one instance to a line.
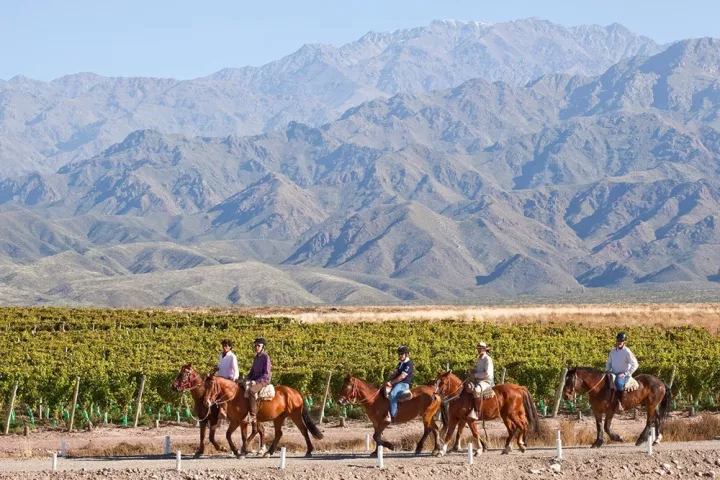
x=327, y=391
x=10, y=408
x=672, y=376
x=502, y=377
x=138, y=404
x=75, y=397
x=40, y=411
x=558, y=392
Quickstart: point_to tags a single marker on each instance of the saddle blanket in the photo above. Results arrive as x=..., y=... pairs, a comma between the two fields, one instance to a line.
x=630, y=386
x=403, y=397
x=266, y=394
x=481, y=389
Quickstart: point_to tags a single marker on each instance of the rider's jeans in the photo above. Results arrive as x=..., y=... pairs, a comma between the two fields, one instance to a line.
x=397, y=389
x=620, y=382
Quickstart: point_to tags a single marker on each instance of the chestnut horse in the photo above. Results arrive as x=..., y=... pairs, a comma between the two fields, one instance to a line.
x=423, y=402
x=287, y=403
x=512, y=403
x=188, y=380
x=603, y=400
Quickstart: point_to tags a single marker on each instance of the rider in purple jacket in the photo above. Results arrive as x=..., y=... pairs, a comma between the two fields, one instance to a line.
x=259, y=376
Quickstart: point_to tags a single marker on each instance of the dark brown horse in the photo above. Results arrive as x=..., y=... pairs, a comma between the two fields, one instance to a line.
x=603, y=400
x=423, y=403
x=188, y=380
x=287, y=403
x=512, y=403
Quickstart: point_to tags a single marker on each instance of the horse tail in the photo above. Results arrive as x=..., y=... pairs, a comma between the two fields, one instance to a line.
x=308, y=421
x=531, y=411
x=665, y=404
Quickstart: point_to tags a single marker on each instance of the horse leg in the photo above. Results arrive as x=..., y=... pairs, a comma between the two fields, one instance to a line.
x=521, y=428
x=378, y=438
x=297, y=418
x=261, y=433
x=608, y=420
x=648, y=424
x=419, y=447
x=228, y=435
x=448, y=434
x=201, y=449
x=460, y=428
x=511, y=433
x=599, y=440
x=278, y=423
x=214, y=422
x=482, y=446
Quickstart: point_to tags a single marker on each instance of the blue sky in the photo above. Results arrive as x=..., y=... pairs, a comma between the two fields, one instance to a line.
x=46, y=39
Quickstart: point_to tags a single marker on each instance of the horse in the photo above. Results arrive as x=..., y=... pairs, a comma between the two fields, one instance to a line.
x=512, y=403
x=423, y=402
x=287, y=402
x=603, y=400
x=188, y=380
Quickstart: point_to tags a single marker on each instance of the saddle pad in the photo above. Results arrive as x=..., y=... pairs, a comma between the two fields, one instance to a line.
x=267, y=393
x=631, y=385
x=404, y=396
x=483, y=389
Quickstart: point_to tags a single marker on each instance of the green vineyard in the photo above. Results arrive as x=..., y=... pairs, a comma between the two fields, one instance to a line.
x=44, y=350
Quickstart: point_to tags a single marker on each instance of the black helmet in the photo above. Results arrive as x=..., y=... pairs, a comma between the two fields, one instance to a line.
x=403, y=349
x=226, y=343
x=260, y=341
x=621, y=337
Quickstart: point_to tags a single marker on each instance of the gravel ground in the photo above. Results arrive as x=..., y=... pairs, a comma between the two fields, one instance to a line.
x=678, y=460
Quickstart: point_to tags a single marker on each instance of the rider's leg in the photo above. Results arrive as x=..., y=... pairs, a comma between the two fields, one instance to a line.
x=252, y=400
x=394, y=394
x=620, y=388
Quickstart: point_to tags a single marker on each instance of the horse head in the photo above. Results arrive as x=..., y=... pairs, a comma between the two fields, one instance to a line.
x=213, y=390
x=348, y=392
x=572, y=383
x=183, y=380
x=442, y=382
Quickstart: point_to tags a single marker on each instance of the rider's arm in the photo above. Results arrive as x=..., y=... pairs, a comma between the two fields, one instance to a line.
x=398, y=379
x=235, y=368
x=633, y=363
x=608, y=365
x=490, y=371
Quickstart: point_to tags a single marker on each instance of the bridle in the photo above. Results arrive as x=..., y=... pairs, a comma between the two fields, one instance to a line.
x=454, y=395
x=212, y=393
x=186, y=384
x=575, y=380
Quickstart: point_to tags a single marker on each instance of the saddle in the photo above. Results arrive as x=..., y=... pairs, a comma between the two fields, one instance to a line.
x=403, y=397
x=481, y=390
x=266, y=394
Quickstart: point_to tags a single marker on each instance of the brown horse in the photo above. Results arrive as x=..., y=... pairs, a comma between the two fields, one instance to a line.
x=603, y=400
x=287, y=403
x=512, y=403
x=423, y=402
x=188, y=380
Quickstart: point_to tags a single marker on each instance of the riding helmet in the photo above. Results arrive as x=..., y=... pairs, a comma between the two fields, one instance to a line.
x=621, y=337
x=403, y=349
x=260, y=341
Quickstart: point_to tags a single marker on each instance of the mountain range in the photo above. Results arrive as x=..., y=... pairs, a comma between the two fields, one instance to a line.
x=453, y=162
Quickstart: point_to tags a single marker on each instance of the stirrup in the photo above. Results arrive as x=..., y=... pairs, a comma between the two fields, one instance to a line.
x=473, y=414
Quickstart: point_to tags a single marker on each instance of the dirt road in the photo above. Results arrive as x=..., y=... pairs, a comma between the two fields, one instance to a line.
x=678, y=460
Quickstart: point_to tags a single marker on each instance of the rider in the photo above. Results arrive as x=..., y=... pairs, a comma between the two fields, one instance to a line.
x=622, y=363
x=400, y=380
x=259, y=377
x=483, y=373
x=227, y=366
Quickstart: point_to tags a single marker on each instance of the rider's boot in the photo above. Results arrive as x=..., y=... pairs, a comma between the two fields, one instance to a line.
x=620, y=396
x=476, y=410
x=252, y=411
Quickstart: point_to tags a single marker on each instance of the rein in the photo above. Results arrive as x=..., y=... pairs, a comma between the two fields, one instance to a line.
x=453, y=395
x=595, y=386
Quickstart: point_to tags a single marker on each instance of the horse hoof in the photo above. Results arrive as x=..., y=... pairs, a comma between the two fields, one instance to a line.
x=266, y=455
x=522, y=448
x=240, y=456
x=506, y=451
x=373, y=455
x=597, y=444
x=308, y=455
x=616, y=438
x=455, y=450
x=198, y=454
x=658, y=439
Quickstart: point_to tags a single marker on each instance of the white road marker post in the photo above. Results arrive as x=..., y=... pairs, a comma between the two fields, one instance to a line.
x=559, y=446
x=380, y=456
x=167, y=445
x=651, y=439
x=63, y=449
x=282, y=458
x=470, y=453
x=178, y=461
x=54, y=462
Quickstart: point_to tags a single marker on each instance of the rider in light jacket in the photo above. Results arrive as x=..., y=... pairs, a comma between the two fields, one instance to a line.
x=622, y=363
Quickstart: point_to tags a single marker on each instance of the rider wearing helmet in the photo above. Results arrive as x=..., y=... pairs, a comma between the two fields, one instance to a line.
x=622, y=363
x=400, y=380
x=258, y=378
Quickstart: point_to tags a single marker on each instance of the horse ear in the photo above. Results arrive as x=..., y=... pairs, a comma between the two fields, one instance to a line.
x=439, y=372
